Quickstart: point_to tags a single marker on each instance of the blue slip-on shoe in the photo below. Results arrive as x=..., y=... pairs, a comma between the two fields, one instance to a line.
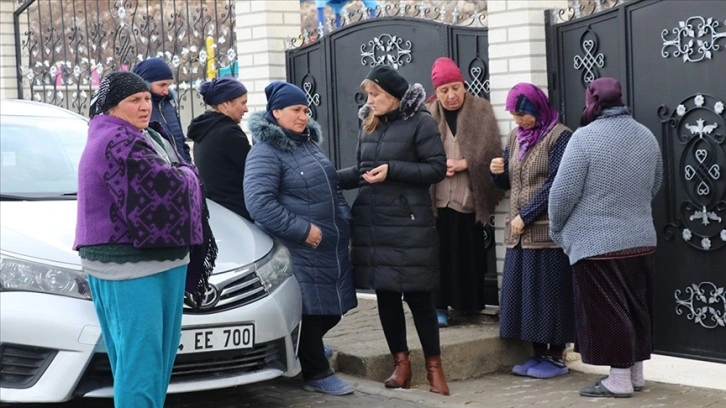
x=331, y=385
x=442, y=317
x=635, y=387
x=547, y=369
x=328, y=351
x=598, y=390
x=521, y=369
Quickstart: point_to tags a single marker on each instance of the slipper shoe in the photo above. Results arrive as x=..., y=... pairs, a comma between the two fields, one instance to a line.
x=547, y=369
x=521, y=369
x=598, y=390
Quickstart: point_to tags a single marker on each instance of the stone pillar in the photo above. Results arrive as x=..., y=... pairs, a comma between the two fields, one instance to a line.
x=8, y=70
x=516, y=54
x=262, y=28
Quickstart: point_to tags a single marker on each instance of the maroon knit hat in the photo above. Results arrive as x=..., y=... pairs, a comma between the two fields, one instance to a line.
x=445, y=71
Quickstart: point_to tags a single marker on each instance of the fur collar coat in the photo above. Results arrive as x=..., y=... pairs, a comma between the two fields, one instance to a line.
x=478, y=135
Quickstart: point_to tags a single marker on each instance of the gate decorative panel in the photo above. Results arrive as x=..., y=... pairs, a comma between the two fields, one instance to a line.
x=666, y=55
x=697, y=131
x=64, y=47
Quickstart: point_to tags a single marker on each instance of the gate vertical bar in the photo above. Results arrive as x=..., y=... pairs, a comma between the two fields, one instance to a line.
x=18, y=54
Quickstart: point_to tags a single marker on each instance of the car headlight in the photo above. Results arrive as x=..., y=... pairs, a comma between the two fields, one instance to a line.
x=31, y=276
x=275, y=267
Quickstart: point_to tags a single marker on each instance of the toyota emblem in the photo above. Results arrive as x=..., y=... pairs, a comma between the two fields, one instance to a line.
x=208, y=301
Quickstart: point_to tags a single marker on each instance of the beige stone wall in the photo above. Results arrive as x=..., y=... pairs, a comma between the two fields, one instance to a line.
x=8, y=83
x=516, y=54
x=262, y=28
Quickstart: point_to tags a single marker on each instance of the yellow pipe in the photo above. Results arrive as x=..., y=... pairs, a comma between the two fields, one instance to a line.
x=211, y=70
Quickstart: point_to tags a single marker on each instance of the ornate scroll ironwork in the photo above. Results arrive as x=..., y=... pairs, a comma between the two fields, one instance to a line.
x=66, y=46
x=583, y=8
x=312, y=95
x=386, y=49
x=705, y=304
x=479, y=83
x=695, y=34
x=699, y=126
x=591, y=60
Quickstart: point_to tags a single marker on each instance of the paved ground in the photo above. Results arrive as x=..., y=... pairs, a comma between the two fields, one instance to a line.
x=473, y=355
x=495, y=390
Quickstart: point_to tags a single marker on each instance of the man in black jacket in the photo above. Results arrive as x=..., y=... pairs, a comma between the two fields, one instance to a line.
x=157, y=73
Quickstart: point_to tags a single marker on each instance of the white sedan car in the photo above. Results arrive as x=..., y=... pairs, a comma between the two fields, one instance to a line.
x=51, y=348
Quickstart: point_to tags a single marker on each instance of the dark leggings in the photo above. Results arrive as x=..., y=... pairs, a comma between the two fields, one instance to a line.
x=390, y=311
x=311, y=350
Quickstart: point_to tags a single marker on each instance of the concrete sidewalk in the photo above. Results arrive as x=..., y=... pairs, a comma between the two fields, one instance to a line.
x=471, y=346
x=477, y=364
x=505, y=390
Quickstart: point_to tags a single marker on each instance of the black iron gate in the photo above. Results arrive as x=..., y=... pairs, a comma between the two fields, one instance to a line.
x=331, y=69
x=670, y=58
x=64, y=47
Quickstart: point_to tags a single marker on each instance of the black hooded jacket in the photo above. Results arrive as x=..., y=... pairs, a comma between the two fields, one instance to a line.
x=220, y=152
x=394, y=242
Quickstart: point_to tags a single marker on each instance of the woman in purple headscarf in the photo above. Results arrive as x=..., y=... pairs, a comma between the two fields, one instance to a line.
x=536, y=300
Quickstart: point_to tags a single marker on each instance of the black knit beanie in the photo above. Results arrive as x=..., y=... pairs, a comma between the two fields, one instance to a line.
x=389, y=79
x=113, y=89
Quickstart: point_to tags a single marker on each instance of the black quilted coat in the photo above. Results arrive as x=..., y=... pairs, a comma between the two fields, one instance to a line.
x=394, y=243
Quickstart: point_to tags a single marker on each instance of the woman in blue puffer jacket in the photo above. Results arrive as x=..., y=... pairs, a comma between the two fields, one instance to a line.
x=291, y=191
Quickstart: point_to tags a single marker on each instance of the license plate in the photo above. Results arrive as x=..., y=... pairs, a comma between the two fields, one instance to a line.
x=217, y=339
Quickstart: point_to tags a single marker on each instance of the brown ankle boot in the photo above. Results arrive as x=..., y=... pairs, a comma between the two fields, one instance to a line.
x=436, y=375
x=401, y=377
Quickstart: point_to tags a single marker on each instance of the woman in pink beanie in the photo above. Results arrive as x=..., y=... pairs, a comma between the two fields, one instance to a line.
x=464, y=201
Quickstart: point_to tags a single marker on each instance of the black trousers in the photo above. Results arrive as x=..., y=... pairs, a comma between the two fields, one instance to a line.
x=390, y=311
x=311, y=350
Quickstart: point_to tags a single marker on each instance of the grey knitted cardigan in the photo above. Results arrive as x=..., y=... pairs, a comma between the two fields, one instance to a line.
x=600, y=200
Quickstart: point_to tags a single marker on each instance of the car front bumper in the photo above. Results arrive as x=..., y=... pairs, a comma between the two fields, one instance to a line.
x=63, y=340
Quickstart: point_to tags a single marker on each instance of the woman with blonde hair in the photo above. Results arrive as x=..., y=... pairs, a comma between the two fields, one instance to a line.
x=394, y=247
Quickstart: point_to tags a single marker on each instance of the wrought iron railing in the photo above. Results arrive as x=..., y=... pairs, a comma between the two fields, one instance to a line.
x=64, y=47
x=583, y=8
x=444, y=12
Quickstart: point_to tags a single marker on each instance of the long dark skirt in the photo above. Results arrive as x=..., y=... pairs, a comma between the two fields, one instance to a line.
x=537, y=300
x=614, y=318
x=462, y=262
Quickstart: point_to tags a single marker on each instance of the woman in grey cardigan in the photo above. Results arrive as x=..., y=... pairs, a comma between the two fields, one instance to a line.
x=600, y=213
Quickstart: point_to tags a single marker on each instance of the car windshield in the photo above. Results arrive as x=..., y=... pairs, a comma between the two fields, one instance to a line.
x=40, y=156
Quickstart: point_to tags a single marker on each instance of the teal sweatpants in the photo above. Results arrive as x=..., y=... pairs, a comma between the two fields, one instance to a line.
x=141, y=324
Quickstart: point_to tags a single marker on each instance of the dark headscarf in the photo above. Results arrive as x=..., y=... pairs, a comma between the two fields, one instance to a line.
x=113, y=89
x=528, y=98
x=220, y=90
x=281, y=94
x=601, y=93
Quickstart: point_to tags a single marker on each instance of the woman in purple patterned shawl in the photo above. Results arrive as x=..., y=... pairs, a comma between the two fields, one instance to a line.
x=536, y=300
x=140, y=224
